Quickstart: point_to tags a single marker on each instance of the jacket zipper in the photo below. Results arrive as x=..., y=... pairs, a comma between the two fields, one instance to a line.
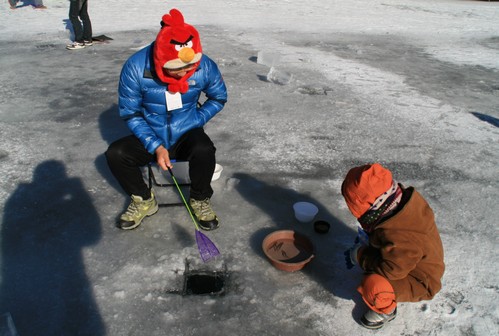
x=168, y=127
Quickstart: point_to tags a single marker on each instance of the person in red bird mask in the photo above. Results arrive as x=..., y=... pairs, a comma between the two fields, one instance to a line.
x=159, y=93
x=177, y=52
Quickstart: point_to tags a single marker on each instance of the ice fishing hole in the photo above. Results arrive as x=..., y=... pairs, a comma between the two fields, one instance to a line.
x=205, y=283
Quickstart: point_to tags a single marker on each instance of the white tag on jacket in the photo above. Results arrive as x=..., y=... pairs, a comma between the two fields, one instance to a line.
x=173, y=100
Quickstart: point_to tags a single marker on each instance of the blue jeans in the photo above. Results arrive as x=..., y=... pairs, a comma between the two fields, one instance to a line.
x=78, y=10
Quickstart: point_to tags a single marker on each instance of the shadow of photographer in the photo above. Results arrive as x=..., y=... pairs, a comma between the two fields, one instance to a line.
x=46, y=225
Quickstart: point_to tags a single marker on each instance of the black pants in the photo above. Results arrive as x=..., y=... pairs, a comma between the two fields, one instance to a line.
x=78, y=10
x=126, y=155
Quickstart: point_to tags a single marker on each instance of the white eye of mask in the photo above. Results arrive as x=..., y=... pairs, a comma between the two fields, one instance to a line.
x=179, y=47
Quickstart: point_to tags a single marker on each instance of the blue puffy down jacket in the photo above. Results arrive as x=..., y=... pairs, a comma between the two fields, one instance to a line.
x=142, y=101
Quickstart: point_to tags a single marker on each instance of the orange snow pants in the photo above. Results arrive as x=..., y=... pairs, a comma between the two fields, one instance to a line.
x=378, y=293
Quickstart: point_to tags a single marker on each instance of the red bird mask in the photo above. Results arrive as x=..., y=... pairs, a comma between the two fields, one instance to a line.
x=177, y=45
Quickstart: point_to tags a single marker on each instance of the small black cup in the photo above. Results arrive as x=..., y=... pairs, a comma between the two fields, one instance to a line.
x=321, y=226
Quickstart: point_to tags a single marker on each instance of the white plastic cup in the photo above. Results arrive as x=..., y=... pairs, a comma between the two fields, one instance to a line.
x=305, y=212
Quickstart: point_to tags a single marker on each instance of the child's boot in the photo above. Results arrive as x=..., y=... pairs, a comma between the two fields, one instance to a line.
x=373, y=320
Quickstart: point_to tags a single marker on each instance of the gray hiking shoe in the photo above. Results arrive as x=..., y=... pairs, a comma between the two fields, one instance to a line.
x=373, y=320
x=137, y=211
x=205, y=215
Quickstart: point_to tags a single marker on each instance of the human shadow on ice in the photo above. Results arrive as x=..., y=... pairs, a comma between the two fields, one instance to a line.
x=69, y=27
x=46, y=224
x=484, y=117
x=112, y=128
x=327, y=267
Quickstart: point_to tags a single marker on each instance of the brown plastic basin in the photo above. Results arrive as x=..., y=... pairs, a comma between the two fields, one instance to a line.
x=288, y=250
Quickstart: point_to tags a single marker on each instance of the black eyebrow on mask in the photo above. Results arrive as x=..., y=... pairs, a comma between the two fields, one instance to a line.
x=181, y=43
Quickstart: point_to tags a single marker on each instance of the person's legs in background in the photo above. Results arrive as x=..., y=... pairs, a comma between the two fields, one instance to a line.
x=74, y=12
x=87, y=25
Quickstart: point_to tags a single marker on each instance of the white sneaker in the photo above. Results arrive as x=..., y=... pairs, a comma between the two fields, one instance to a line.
x=88, y=43
x=75, y=45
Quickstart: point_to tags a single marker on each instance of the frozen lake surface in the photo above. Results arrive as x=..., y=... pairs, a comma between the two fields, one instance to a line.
x=411, y=84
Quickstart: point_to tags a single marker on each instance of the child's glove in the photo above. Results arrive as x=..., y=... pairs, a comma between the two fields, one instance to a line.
x=362, y=237
x=351, y=255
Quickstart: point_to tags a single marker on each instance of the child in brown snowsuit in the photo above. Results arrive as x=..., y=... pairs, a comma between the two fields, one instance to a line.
x=399, y=246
